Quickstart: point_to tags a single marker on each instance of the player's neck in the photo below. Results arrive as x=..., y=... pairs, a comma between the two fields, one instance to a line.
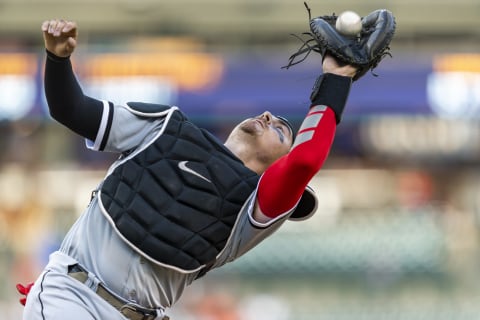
x=244, y=153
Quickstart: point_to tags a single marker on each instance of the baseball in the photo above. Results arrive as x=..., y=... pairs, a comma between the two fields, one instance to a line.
x=349, y=23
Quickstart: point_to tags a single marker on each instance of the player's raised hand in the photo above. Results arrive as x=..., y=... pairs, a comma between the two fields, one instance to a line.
x=60, y=36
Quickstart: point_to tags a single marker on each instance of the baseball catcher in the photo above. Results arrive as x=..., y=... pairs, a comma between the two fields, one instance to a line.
x=178, y=202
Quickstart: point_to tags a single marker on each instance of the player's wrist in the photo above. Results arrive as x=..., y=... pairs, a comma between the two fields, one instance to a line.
x=52, y=56
x=331, y=90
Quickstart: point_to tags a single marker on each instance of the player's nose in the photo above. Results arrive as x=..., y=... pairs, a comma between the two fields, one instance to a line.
x=267, y=116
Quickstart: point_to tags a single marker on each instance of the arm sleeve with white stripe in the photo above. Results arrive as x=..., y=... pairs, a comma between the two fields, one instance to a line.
x=283, y=183
x=66, y=101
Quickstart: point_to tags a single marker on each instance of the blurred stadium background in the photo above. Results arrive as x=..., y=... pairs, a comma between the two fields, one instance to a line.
x=396, y=235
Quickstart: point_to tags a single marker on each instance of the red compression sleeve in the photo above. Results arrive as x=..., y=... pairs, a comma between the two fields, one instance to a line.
x=284, y=182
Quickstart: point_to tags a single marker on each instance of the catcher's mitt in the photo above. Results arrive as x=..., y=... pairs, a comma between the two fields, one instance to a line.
x=365, y=51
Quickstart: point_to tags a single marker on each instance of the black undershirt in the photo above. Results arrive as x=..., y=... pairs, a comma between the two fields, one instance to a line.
x=67, y=102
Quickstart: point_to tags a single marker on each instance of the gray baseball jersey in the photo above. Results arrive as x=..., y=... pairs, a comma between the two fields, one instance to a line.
x=97, y=247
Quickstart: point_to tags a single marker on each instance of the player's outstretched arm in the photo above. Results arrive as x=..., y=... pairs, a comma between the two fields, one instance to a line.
x=66, y=101
x=60, y=36
x=284, y=182
x=345, y=59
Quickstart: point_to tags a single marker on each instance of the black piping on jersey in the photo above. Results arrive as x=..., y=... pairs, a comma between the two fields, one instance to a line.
x=41, y=291
x=108, y=127
x=256, y=226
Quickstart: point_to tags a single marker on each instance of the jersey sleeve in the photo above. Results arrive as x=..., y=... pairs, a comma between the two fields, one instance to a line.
x=123, y=129
x=248, y=233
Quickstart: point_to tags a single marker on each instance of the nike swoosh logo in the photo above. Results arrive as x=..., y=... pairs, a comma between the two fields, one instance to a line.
x=183, y=166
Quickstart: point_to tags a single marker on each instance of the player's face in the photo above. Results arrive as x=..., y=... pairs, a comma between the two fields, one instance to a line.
x=268, y=137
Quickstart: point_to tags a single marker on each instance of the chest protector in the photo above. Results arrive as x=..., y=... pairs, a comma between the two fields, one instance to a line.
x=178, y=199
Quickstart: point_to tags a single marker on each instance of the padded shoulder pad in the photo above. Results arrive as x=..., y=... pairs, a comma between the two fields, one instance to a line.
x=147, y=109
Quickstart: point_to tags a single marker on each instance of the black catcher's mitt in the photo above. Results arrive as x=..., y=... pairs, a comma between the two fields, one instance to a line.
x=365, y=51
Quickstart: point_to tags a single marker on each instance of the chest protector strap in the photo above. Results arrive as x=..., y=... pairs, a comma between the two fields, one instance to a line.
x=177, y=200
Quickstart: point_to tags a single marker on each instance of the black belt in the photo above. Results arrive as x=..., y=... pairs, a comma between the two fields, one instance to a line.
x=128, y=309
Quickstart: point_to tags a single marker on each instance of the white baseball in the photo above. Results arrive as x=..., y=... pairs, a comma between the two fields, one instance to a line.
x=349, y=23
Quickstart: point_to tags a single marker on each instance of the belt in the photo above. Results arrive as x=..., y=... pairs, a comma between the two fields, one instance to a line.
x=128, y=309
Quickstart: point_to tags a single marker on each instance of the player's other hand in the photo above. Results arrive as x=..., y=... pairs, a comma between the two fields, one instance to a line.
x=60, y=36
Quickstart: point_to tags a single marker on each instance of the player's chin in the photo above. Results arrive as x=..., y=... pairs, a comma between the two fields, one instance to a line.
x=252, y=127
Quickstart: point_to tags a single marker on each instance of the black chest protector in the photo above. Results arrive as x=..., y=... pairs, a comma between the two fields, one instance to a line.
x=177, y=200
